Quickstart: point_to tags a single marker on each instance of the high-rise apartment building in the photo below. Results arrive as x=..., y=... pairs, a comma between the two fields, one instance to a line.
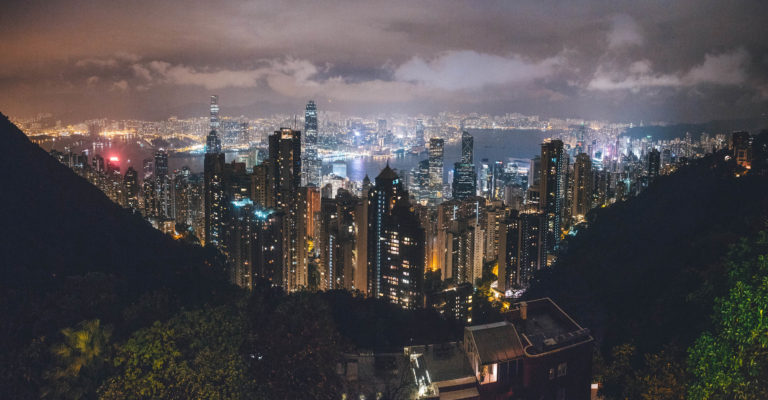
x=395, y=243
x=553, y=186
x=582, y=185
x=285, y=161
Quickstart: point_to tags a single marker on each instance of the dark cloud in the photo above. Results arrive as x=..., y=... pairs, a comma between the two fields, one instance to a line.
x=681, y=60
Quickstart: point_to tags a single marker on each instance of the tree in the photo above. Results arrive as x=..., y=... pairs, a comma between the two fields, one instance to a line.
x=731, y=361
x=79, y=361
x=194, y=355
x=293, y=348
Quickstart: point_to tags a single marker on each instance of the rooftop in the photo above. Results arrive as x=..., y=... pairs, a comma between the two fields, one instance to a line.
x=496, y=342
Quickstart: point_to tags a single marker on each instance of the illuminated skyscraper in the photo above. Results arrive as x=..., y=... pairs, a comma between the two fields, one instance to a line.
x=213, y=180
x=395, y=243
x=654, y=165
x=254, y=244
x=311, y=163
x=212, y=141
x=582, y=185
x=336, y=242
x=285, y=159
x=163, y=185
x=436, y=149
x=467, y=148
x=553, y=185
x=131, y=183
x=464, y=175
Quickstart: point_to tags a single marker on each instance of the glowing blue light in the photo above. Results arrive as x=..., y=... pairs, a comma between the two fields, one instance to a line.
x=243, y=202
x=263, y=214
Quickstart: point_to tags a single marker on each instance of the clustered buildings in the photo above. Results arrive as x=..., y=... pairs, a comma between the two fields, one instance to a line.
x=411, y=237
x=277, y=217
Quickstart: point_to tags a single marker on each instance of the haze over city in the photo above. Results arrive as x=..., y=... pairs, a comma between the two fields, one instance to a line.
x=680, y=61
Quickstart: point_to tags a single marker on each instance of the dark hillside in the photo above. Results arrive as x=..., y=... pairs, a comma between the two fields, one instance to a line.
x=647, y=270
x=67, y=254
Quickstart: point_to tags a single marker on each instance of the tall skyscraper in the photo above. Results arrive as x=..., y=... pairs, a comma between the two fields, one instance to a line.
x=395, y=243
x=254, y=240
x=213, y=180
x=436, y=149
x=285, y=159
x=464, y=175
x=467, y=148
x=311, y=163
x=212, y=141
x=654, y=165
x=519, y=253
x=553, y=185
x=163, y=185
x=582, y=185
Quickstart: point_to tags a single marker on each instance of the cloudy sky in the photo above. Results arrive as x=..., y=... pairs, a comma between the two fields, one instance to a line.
x=684, y=60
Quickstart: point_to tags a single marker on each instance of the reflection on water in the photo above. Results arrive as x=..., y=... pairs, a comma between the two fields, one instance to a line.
x=490, y=144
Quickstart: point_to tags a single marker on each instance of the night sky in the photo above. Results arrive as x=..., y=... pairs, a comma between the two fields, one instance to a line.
x=688, y=60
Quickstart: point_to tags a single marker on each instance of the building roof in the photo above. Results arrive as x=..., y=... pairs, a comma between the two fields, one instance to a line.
x=547, y=327
x=496, y=342
x=387, y=173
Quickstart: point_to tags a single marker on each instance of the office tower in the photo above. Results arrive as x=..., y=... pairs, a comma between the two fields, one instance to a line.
x=285, y=160
x=419, y=134
x=337, y=241
x=553, y=185
x=467, y=148
x=464, y=181
x=582, y=185
x=483, y=178
x=131, y=184
x=212, y=141
x=395, y=243
x=311, y=163
x=654, y=165
x=436, y=148
x=498, y=181
x=464, y=176
x=214, y=202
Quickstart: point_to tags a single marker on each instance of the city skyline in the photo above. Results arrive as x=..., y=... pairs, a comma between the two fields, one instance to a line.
x=594, y=59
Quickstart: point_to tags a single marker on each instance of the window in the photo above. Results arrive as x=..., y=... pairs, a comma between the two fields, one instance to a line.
x=561, y=394
x=551, y=374
x=562, y=369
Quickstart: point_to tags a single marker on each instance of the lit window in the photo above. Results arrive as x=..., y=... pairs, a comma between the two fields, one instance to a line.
x=551, y=373
x=562, y=369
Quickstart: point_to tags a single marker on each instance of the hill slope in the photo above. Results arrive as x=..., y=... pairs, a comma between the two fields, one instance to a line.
x=67, y=254
x=647, y=270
